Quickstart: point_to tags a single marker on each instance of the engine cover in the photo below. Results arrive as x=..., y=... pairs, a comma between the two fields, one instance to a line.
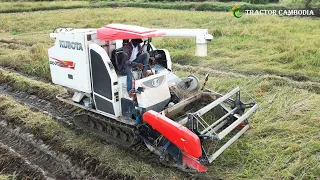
x=155, y=94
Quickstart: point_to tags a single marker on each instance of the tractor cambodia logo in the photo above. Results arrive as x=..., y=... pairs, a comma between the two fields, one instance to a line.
x=236, y=11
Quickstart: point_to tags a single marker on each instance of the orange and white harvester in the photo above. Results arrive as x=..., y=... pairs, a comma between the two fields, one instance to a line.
x=175, y=118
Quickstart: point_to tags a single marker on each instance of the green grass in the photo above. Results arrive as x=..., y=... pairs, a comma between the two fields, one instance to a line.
x=281, y=144
x=250, y=45
x=300, y=3
x=22, y=58
x=6, y=177
x=10, y=7
x=283, y=141
x=67, y=141
x=31, y=86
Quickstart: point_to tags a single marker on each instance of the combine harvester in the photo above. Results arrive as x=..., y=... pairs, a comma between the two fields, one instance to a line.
x=175, y=118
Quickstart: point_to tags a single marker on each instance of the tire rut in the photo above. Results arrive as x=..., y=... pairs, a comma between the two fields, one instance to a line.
x=296, y=82
x=64, y=115
x=304, y=83
x=39, y=156
x=13, y=163
x=17, y=42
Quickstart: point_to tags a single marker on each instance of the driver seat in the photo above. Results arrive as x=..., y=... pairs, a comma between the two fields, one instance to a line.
x=118, y=62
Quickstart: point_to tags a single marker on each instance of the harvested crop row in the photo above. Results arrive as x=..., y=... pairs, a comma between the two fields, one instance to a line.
x=12, y=163
x=58, y=112
x=40, y=156
x=30, y=86
x=272, y=79
x=7, y=176
x=252, y=44
x=311, y=86
x=15, y=42
x=63, y=115
x=100, y=159
x=204, y=6
x=287, y=120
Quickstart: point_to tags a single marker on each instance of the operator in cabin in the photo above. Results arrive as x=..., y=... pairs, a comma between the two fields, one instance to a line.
x=134, y=57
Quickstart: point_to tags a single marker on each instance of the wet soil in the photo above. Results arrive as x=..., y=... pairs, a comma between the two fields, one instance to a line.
x=87, y=164
x=39, y=159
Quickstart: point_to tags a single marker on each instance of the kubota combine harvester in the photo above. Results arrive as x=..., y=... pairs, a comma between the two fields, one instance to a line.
x=175, y=118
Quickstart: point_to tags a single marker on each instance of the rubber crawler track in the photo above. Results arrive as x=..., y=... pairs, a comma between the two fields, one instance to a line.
x=138, y=150
x=116, y=132
x=106, y=128
x=64, y=115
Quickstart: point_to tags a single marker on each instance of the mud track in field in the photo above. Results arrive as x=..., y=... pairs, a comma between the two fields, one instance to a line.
x=45, y=162
x=13, y=163
x=64, y=116
x=17, y=42
x=294, y=81
x=79, y=164
x=86, y=164
x=311, y=86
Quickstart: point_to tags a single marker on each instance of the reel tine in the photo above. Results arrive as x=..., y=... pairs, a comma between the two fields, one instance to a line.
x=217, y=102
x=210, y=129
x=226, y=145
x=221, y=122
x=206, y=131
x=237, y=112
x=236, y=123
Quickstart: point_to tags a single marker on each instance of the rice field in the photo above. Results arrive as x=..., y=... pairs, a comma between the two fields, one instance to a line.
x=275, y=59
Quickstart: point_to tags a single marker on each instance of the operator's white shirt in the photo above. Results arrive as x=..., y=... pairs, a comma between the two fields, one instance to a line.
x=134, y=53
